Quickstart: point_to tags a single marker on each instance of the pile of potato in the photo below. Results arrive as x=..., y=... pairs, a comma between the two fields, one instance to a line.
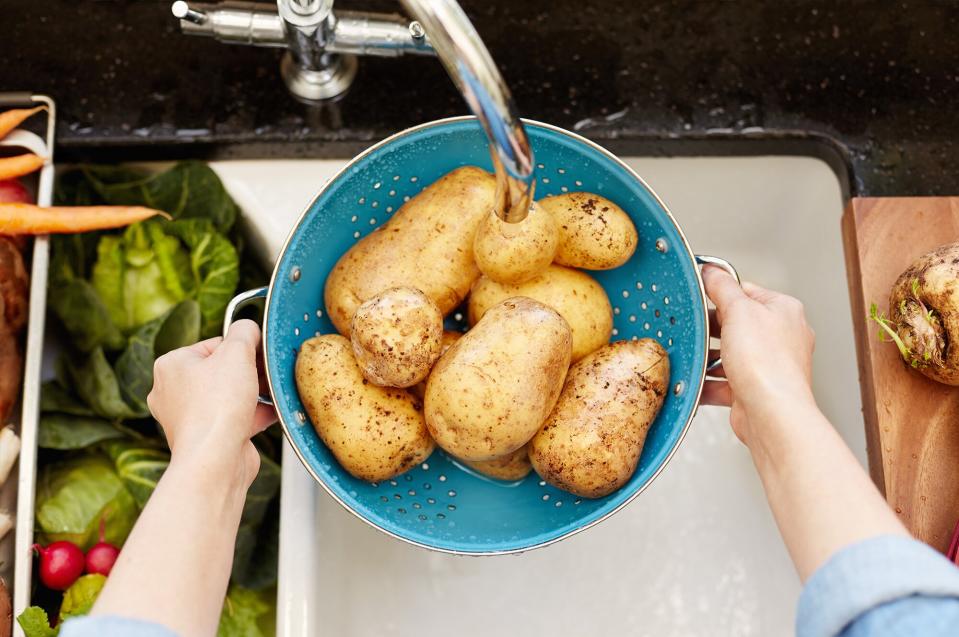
x=534, y=384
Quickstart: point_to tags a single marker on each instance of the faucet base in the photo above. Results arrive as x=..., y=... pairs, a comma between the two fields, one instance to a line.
x=313, y=86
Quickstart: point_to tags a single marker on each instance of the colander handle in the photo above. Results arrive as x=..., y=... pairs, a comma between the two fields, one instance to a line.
x=703, y=259
x=236, y=304
x=471, y=67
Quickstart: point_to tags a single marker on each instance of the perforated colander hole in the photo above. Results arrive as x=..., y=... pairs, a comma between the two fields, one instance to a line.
x=578, y=183
x=397, y=496
x=356, y=235
x=414, y=179
x=306, y=317
x=396, y=177
x=430, y=500
x=634, y=338
x=392, y=193
x=383, y=498
x=545, y=497
x=561, y=171
x=639, y=285
x=545, y=180
x=301, y=417
x=559, y=503
x=373, y=221
x=564, y=188
x=389, y=209
x=451, y=493
x=374, y=484
x=408, y=477
x=319, y=314
x=425, y=466
x=542, y=483
x=401, y=511
x=427, y=486
x=632, y=318
x=615, y=332
x=577, y=501
x=659, y=333
x=411, y=492
x=672, y=320
x=296, y=331
x=645, y=326
x=316, y=333
x=392, y=483
x=377, y=185
x=295, y=274
x=417, y=505
x=354, y=218
x=670, y=342
x=678, y=388
x=362, y=200
x=666, y=300
x=541, y=166
x=615, y=310
x=421, y=517
x=451, y=507
x=643, y=305
x=653, y=287
x=442, y=478
x=375, y=204
x=440, y=516
x=625, y=294
x=661, y=245
x=406, y=197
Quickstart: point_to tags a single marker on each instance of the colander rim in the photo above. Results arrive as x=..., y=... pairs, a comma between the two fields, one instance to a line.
x=286, y=427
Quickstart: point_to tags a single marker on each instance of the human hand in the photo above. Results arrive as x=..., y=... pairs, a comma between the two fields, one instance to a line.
x=205, y=398
x=766, y=346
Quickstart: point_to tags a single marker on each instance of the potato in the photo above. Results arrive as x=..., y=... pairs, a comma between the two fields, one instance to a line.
x=591, y=442
x=428, y=244
x=575, y=295
x=396, y=337
x=924, y=314
x=512, y=466
x=374, y=432
x=449, y=337
x=515, y=252
x=594, y=233
x=492, y=390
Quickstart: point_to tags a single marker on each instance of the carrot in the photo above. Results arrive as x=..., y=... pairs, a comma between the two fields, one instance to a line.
x=20, y=165
x=13, y=118
x=25, y=218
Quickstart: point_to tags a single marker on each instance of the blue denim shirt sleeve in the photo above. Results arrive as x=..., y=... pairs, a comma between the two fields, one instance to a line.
x=108, y=626
x=887, y=586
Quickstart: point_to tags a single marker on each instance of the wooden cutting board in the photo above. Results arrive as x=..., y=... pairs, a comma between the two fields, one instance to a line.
x=912, y=423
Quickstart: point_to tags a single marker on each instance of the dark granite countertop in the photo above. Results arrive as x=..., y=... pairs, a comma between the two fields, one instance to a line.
x=871, y=87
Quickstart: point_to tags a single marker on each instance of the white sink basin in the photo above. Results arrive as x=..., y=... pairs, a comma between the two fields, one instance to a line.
x=697, y=554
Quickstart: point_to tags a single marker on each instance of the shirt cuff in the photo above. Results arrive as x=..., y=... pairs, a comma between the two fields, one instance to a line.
x=113, y=626
x=867, y=574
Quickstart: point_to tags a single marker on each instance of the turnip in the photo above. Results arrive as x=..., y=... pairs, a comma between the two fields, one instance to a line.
x=61, y=563
x=923, y=318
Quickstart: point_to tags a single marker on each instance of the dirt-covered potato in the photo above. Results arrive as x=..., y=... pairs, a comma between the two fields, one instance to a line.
x=492, y=390
x=575, y=295
x=374, y=432
x=591, y=442
x=427, y=244
x=924, y=314
x=449, y=337
x=594, y=233
x=396, y=337
x=512, y=466
x=515, y=252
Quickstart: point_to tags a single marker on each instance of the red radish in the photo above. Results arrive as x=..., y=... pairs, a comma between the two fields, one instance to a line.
x=61, y=563
x=101, y=556
x=12, y=191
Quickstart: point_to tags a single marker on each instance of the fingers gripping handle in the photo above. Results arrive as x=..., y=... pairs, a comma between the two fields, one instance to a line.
x=703, y=259
x=236, y=304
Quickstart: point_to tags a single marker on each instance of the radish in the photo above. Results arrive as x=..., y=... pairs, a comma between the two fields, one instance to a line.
x=923, y=318
x=12, y=191
x=101, y=556
x=61, y=563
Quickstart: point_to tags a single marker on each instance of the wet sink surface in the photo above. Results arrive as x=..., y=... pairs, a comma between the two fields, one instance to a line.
x=697, y=554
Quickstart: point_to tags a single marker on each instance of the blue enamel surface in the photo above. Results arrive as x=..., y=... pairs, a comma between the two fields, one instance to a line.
x=439, y=504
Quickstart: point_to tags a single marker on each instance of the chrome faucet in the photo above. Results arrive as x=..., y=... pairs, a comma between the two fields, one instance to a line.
x=320, y=62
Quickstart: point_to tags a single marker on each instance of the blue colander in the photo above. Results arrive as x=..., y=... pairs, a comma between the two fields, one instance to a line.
x=440, y=505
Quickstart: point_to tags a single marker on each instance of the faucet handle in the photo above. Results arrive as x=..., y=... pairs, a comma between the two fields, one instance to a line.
x=183, y=11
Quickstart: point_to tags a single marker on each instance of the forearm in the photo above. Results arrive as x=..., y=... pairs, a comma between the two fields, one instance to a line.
x=175, y=566
x=821, y=497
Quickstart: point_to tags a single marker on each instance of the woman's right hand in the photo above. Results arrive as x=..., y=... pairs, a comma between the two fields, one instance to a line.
x=766, y=346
